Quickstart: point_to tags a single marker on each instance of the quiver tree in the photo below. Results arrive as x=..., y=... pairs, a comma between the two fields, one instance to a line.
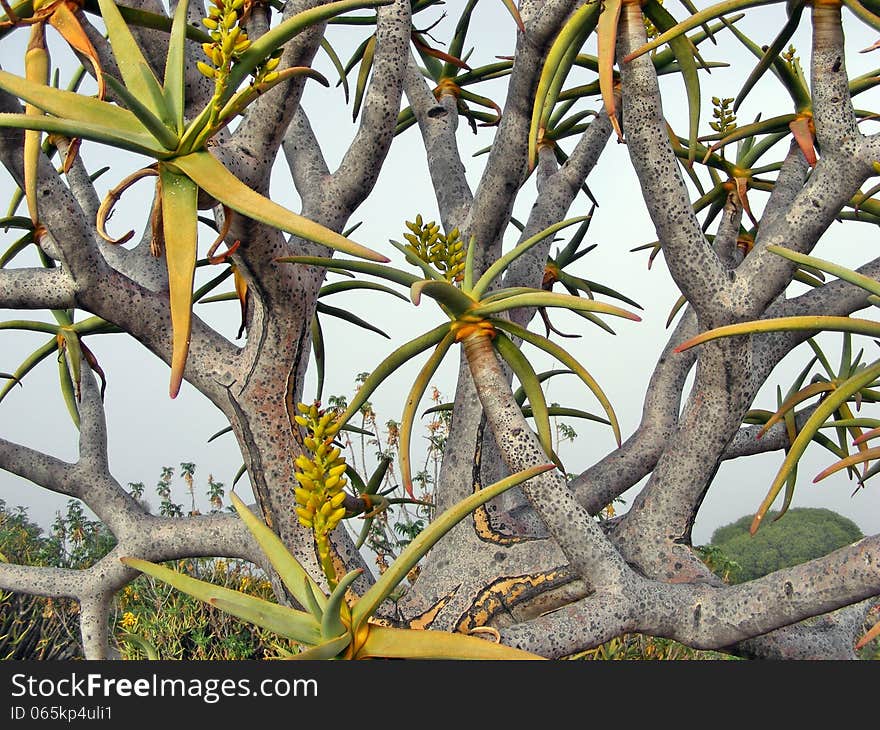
x=212, y=100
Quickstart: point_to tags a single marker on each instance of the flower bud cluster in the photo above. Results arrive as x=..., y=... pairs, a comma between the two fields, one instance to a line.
x=445, y=252
x=228, y=39
x=320, y=477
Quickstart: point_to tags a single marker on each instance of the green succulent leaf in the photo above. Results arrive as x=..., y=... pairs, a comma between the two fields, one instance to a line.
x=419, y=386
x=697, y=19
x=174, y=88
x=210, y=175
x=449, y=296
x=141, y=142
x=136, y=71
x=823, y=411
x=551, y=299
x=295, y=578
x=276, y=37
x=179, y=196
x=569, y=361
x=284, y=621
x=781, y=324
x=427, y=538
x=409, y=644
x=870, y=285
x=529, y=381
x=326, y=650
x=495, y=270
x=349, y=317
x=331, y=622
x=155, y=126
x=391, y=363
x=360, y=267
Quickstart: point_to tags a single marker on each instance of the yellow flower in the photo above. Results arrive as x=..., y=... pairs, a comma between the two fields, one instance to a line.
x=129, y=621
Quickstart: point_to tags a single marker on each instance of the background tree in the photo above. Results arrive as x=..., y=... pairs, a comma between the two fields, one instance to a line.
x=214, y=105
x=803, y=535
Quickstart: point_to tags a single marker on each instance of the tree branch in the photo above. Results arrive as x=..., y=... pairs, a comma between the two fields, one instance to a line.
x=438, y=122
x=36, y=289
x=359, y=169
x=694, y=265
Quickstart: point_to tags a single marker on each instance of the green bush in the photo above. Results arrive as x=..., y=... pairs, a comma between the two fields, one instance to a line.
x=33, y=627
x=801, y=534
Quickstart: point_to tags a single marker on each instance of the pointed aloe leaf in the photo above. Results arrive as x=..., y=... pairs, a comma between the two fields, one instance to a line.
x=796, y=9
x=519, y=395
x=859, y=458
x=326, y=650
x=276, y=37
x=420, y=384
x=341, y=286
x=500, y=295
x=29, y=363
x=872, y=634
x=361, y=267
x=337, y=64
x=349, y=317
x=468, y=281
x=447, y=295
x=871, y=423
x=684, y=51
x=504, y=261
x=427, y=538
x=210, y=175
x=68, y=390
x=781, y=324
x=456, y=45
x=569, y=361
x=37, y=72
x=792, y=402
x=397, y=358
x=140, y=142
x=596, y=288
x=514, y=12
x=559, y=61
x=155, y=126
x=363, y=74
x=292, y=574
x=135, y=69
x=68, y=25
x=570, y=412
x=853, y=277
x=867, y=16
x=572, y=35
x=392, y=643
x=331, y=622
x=287, y=622
x=318, y=350
x=180, y=229
x=822, y=412
x=551, y=299
x=220, y=433
x=70, y=105
x=607, y=41
x=174, y=85
x=528, y=379
x=688, y=24
x=71, y=343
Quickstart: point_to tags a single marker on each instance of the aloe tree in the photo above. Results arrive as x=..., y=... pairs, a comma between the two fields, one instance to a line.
x=217, y=100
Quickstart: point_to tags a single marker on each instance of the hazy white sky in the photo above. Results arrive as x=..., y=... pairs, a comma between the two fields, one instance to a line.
x=147, y=430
